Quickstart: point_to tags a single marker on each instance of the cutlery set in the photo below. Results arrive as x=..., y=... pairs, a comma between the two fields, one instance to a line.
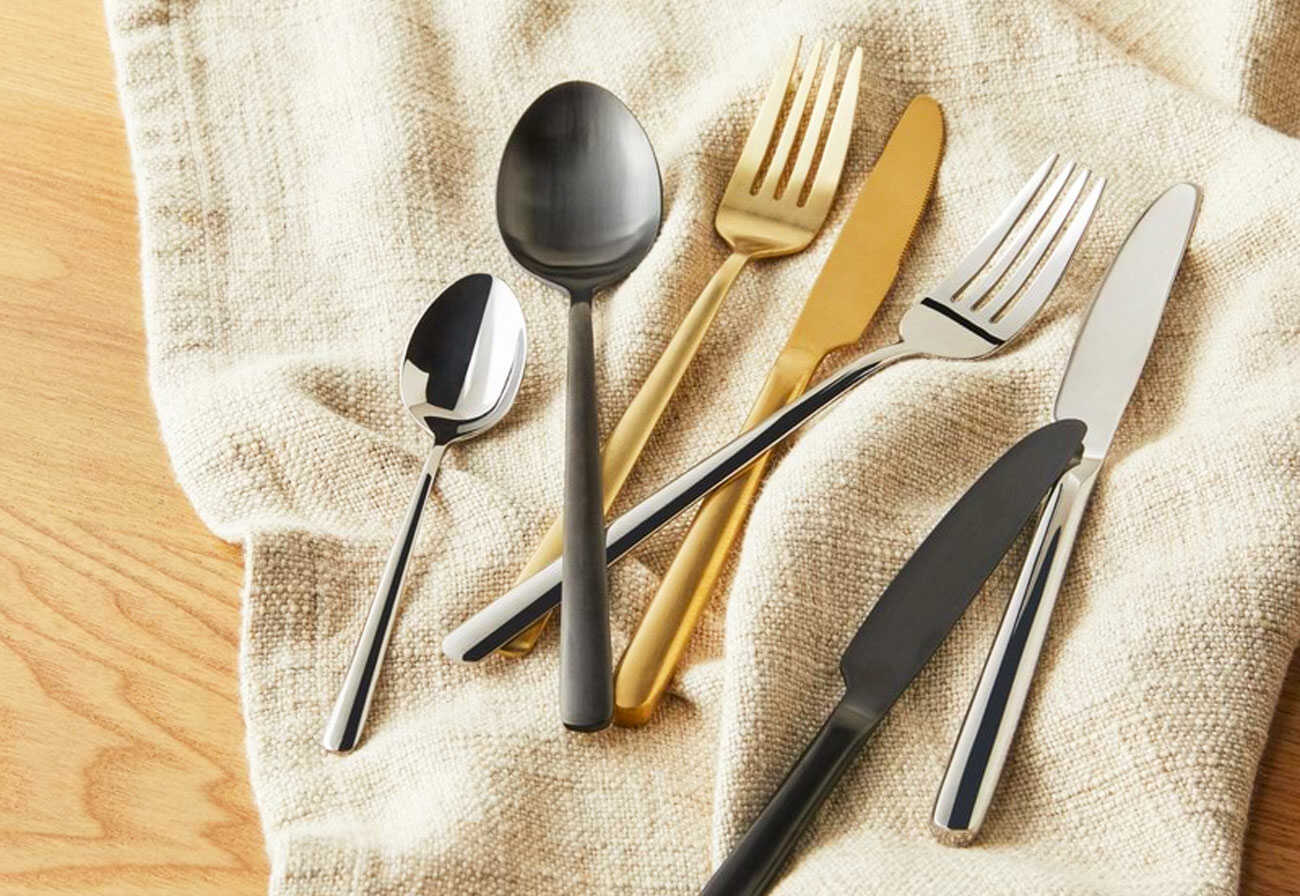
x=956, y=320
x=579, y=203
x=848, y=290
x=756, y=222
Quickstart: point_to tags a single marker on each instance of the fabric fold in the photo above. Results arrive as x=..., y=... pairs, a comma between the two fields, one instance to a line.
x=311, y=174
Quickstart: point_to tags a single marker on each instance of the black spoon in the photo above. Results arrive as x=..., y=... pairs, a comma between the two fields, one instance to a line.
x=579, y=202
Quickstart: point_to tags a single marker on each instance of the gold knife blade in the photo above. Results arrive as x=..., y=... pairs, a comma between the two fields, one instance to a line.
x=864, y=261
x=852, y=283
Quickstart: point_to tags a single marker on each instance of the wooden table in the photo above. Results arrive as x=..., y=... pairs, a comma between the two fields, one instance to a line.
x=122, y=767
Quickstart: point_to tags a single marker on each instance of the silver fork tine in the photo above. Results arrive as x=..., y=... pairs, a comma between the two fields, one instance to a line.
x=837, y=140
x=760, y=133
x=1053, y=268
x=1006, y=293
x=797, y=108
x=989, y=242
x=1016, y=243
x=812, y=134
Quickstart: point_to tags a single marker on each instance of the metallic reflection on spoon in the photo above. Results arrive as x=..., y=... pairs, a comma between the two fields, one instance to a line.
x=461, y=373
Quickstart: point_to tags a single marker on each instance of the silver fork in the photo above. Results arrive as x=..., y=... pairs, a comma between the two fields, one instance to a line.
x=963, y=317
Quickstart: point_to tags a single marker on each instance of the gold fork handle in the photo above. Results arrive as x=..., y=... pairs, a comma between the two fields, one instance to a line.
x=638, y=421
x=652, y=655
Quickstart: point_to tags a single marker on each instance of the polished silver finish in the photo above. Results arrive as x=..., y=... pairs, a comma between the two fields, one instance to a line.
x=1114, y=340
x=957, y=320
x=985, y=738
x=462, y=369
x=579, y=202
x=1104, y=367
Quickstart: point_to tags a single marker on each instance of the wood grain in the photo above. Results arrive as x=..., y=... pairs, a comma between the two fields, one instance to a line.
x=123, y=767
x=122, y=770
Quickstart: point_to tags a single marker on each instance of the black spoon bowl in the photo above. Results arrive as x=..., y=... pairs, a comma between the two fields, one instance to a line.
x=579, y=202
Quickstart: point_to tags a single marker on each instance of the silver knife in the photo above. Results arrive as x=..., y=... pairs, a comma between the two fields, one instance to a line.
x=1103, y=370
x=903, y=629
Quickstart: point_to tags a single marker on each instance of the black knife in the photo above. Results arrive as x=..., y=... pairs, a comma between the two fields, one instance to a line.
x=902, y=631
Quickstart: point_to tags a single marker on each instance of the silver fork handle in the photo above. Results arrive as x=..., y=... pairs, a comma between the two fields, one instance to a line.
x=508, y=615
x=343, y=728
x=986, y=734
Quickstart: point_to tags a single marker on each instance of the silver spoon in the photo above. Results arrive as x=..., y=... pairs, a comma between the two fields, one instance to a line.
x=579, y=202
x=461, y=373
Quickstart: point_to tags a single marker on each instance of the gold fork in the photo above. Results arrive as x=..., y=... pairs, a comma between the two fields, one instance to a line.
x=763, y=214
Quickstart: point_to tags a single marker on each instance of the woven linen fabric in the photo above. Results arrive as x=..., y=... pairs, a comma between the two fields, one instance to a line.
x=312, y=172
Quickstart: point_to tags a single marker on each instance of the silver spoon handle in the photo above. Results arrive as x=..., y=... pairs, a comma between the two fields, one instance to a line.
x=343, y=728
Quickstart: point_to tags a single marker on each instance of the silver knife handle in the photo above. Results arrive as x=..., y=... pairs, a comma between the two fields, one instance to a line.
x=985, y=738
x=514, y=611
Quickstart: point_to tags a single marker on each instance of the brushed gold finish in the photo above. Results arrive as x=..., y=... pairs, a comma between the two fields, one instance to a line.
x=848, y=290
x=761, y=215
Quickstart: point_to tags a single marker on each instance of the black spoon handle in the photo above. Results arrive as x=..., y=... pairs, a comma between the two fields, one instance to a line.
x=754, y=863
x=586, y=661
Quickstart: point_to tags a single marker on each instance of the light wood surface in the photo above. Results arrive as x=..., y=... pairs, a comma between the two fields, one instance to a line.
x=122, y=763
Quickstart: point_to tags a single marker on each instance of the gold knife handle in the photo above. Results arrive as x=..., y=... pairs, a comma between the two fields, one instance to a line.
x=628, y=439
x=652, y=655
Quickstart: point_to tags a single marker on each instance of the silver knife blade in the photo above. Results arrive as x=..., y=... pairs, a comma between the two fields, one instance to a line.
x=932, y=590
x=1116, y=336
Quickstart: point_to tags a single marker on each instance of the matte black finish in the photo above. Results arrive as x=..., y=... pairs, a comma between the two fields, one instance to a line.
x=579, y=198
x=579, y=201
x=586, y=658
x=900, y=634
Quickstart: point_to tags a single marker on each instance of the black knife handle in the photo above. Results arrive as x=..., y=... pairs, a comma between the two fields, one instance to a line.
x=754, y=863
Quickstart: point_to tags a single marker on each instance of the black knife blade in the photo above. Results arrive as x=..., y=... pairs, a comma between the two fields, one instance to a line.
x=900, y=634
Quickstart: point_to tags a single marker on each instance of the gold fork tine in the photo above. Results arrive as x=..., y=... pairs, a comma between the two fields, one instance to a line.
x=813, y=134
x=837, y=141
x=760, y=133
x=792, y=120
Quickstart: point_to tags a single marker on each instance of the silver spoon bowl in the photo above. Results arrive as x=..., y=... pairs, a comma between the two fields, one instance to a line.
x=460, y=375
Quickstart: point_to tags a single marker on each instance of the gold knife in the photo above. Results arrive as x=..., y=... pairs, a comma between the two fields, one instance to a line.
x=850, y=287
